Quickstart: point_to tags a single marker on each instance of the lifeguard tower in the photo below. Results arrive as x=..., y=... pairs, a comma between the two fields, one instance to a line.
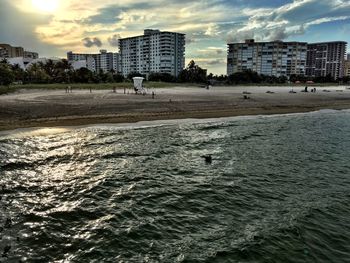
x=138, y=87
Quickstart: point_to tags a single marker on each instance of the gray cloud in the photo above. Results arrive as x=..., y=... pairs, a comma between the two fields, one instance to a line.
x=114, y=40
x=110, y=14
x=289, y=20
x=215, y=62
x=190, y=40
x=89, y=42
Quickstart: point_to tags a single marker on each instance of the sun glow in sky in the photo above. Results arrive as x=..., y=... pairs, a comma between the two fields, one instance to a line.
x=54, y=27
x=47, y=6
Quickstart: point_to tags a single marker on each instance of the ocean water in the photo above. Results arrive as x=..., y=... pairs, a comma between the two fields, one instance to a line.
x=277, y=190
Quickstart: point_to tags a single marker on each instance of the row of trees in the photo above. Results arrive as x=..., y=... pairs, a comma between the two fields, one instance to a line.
x=53, y=72
x=62, y=72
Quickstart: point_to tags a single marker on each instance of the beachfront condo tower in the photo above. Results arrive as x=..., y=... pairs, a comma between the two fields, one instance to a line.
x=8, y=51
x=276, y=58
x=105, y=61
x=153, y=52
x=326, y=58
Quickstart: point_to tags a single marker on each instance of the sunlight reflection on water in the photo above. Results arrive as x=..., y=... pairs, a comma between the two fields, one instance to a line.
x=277, y=185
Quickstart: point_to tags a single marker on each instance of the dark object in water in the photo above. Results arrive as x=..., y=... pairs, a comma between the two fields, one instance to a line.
x=246, y=97
x=6, y=251
x=8, y=223
x=208, y=159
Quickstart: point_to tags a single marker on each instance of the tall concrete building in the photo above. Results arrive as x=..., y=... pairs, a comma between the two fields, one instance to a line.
x=105, y=61
x=11, y=52
x=346, y=68
x=276, y=58
x=326, y=59
x=153, y=52
x=8, y=51
x=3, y=52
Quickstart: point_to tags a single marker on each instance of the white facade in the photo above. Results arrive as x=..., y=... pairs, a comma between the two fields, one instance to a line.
x=346, y=68
x=24, y=63
x=20, y=61
x=275, y=58
x=91, y=64
x=153, y=52
x=78, y=64
x=105, y=61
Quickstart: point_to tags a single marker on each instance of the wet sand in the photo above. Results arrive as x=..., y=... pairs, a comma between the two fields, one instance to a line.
x=48, y=108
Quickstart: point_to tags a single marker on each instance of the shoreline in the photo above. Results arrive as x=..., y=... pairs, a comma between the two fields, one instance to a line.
x=72, y=121
x=30, y=109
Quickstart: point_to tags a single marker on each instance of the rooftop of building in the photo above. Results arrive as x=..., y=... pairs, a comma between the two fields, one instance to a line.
x=102, y=51
x=252, y=41
x=329, y=42
x=148, y=32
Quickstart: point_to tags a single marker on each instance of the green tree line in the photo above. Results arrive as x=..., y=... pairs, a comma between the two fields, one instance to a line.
x=53, y=72
x=62, y=72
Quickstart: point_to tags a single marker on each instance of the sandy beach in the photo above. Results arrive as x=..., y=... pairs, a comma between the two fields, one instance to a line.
x=47, y=108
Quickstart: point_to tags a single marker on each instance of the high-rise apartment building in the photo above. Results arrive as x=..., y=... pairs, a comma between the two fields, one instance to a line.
x=326, y=59
x=12, y=52
x=153, y=52
x=105, y=61
x=276, y=58
x=346, y=68
x=8, y=51
x=3, y=52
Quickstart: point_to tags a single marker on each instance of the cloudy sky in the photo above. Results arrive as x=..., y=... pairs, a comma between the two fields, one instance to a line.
x=53, y=27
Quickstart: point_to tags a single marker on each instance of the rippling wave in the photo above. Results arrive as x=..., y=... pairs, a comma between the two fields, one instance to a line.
x=277, y=190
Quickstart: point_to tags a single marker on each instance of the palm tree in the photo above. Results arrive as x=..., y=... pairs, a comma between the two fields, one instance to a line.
x=36, y=73
x=63, y=71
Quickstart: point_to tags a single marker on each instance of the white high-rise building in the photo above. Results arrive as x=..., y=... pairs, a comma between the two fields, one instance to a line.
x=105, y=61
x=153, y=52
x=276, y=58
